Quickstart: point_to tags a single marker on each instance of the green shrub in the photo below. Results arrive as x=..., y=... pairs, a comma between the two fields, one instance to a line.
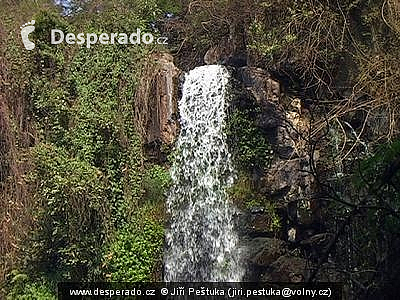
x=87, y=166
x=72, y=215
x=379, y=176
x=156, y=183
x=22, y=287
x=134, y=253
x=248, y=143
x=88, y=176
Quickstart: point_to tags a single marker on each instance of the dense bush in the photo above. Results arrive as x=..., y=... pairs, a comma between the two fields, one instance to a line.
x=135, y=251
x=247, y=141
x=24, y=288
x=369, y=204
x=72, y=215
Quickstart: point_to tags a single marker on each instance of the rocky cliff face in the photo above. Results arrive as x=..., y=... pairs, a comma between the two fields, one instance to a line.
x=286, y=183
x=156, y=98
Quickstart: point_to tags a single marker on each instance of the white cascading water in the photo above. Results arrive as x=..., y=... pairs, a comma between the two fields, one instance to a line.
x=202, y=244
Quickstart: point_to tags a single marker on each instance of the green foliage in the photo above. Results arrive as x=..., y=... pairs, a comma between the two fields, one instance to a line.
x=241, y=192
x=156, y=183
x=266, y=42
x=278, y=25
x=379, y=176
x=275, y=220
x=103, y=131
x=373, y=168
x=247, y=141
x=373, y=234
x=25, y=288
x=72, y=215
x=247, y=197
x=252, y=153
x=136, y=249
x=88, y=162
x=125, y=16
x=174, y=7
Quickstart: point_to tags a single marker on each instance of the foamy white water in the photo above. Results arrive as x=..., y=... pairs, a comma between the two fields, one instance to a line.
x=202, y=244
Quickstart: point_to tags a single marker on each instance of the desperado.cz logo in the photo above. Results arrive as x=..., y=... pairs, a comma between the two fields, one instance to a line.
x=89, y=39
x=26, y=29
x=138, y=37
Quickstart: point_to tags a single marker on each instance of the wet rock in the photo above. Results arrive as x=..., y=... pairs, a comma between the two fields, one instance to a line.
x=270, y=119
x=305, y=214
x=287, y=182
x=290, y=182
x=259, y=225
x=256, y=210
x=283, y=175
x=260, y=221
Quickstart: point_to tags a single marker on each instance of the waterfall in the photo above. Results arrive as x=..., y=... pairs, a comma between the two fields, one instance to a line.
x=201, y=243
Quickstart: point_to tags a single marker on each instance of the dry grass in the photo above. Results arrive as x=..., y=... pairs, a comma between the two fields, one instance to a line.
x=16, y=202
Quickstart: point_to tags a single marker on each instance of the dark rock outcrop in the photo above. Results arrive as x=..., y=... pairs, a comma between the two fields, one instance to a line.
x=265, y=251
x=287, y=183
x=260, y=83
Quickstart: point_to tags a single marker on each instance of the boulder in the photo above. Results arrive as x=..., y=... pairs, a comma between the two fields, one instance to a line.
x=318, y=242
x=264, y=251
x=287, y=268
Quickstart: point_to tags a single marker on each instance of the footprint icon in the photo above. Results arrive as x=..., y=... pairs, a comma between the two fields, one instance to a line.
x=26, y=29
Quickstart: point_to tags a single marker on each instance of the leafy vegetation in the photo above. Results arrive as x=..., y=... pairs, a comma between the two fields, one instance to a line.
x=23, y=288
x=135, y=251
x=370, y=208
x=252, y=156
x=156, y=183
x=247, y=141
x=72, y=216
x=247, y=197
x=88, y=163
x=86, y=158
